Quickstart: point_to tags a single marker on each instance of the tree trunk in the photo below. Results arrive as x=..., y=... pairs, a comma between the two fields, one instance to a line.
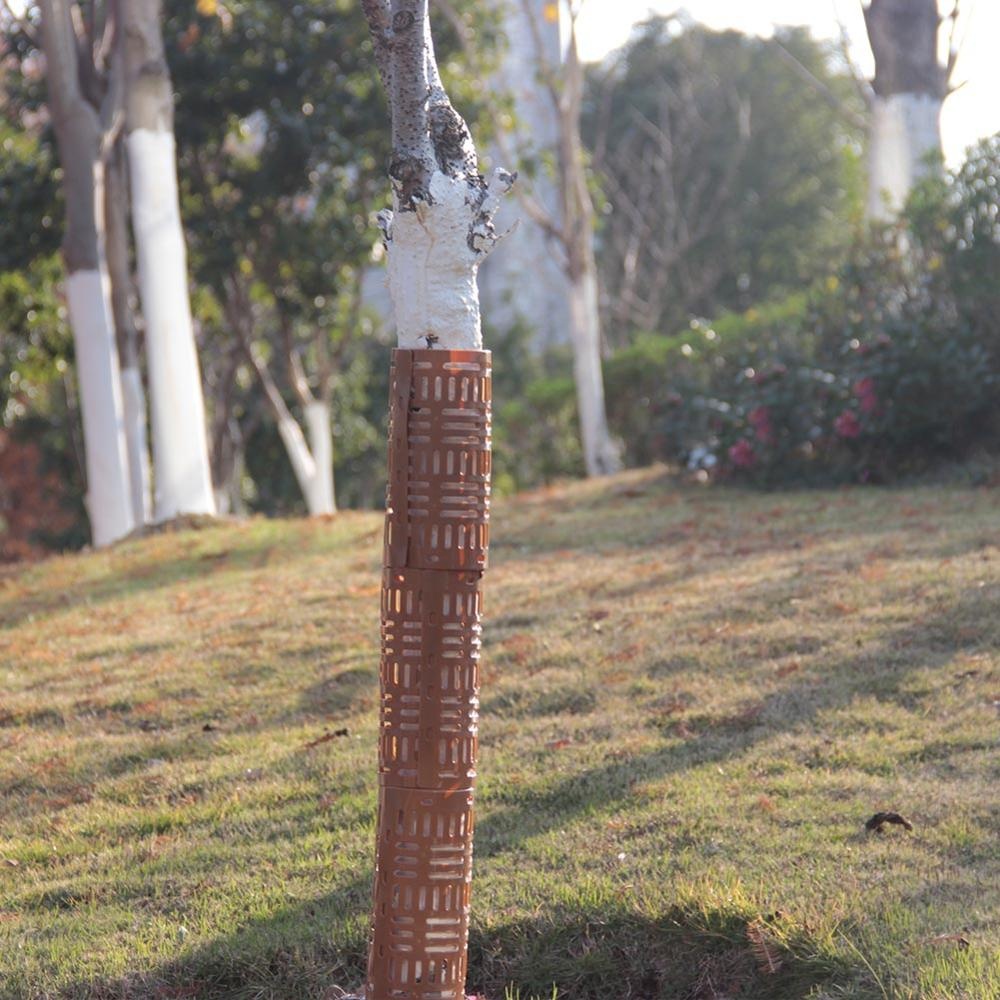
x=78, y=136
x=133, y=392
x=315, y=482
x=437, y=509
x=909, y=87
x=320, y=431
x=182, y=476
x=601, y=454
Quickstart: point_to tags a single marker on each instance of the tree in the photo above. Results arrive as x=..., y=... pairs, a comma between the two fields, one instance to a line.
x=129, y=353
x=907, y=91
x=525, y=288
x=571, y=230
x=437, y=504
x=277, y=192
x=730, y=167
x=182, y=478
x=80, y=135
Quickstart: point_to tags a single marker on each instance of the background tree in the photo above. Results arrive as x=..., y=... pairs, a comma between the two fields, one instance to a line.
x=730, y=179
x=571, y=229
x=119, y=257
x=182, y=478
x=73, y=66
x=909, y=87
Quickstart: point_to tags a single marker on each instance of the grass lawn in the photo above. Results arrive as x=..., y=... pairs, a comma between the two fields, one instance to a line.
x=693, y=700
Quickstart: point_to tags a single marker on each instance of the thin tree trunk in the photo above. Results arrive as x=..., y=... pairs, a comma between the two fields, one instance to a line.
x=320, y=431
x=909, y=88
x=315, y=481
x=182, y=476
x=133, y=392
x=601, y=454
x=78, y=136
x=437, y=511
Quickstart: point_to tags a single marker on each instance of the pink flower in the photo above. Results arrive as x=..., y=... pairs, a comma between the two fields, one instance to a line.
x=742, y=455
x=759, y=419
x=847, y=424
x=864, y=389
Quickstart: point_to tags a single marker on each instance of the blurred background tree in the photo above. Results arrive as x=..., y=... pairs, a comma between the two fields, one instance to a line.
x=732, y=169
x=757, y=326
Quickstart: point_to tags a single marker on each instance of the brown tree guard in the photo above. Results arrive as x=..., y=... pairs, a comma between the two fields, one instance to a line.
x=436, y=542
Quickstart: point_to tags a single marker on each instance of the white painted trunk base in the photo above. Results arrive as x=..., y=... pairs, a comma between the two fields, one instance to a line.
x=315, y=481
x=432, y=270
x=320, y=433
x=904, y=129
x=140, y=475
x=108, y=483
x=182, y=478
x=601, y=454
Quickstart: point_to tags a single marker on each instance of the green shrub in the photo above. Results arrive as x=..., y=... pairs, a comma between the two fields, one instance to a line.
x=885, y=368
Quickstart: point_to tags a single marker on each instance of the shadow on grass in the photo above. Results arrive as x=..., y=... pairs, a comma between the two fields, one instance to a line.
x=879, y=672
x=690, y=952
x=298, y=953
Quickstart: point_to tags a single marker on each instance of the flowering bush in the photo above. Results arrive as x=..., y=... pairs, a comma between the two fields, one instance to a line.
x=887, y=366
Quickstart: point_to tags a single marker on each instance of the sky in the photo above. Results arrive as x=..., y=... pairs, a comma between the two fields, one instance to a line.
x=969, y=114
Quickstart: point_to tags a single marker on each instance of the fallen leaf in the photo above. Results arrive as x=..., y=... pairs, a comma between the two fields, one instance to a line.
x=877, y=821
x=326, y=738
x=959, y=939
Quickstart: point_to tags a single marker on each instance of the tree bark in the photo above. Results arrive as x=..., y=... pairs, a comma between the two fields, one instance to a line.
x=182, y=476
x=320, y=433
x=78, y=137
x=600, y=452
x=133, y=391
x=908, y=90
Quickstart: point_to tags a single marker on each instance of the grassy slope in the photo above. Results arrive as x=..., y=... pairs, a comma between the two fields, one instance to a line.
x=692, y=702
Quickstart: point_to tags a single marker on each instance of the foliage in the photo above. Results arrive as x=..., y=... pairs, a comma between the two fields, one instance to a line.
x=536, y=436
x=731, y=167
x=888, y=366
x=41, y=475
x=693, y=700
x=35, y=511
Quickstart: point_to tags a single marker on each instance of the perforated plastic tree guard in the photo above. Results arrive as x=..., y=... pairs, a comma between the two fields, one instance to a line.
x=436, y=543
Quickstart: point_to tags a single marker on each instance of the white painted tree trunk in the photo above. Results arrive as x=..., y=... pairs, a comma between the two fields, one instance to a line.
x=182, y=477
x=908, y=89
x=600, y=453
x=312, y=472
x=127, y=336
x=320, y=432
x=905, y=136
x=108, y=490
x=140, y=474
x=78, y=136
x=433, y=252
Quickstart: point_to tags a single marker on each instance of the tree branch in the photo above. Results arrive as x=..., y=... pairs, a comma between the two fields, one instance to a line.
x=21, y=23
x=819, y=86
x=412, y=155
